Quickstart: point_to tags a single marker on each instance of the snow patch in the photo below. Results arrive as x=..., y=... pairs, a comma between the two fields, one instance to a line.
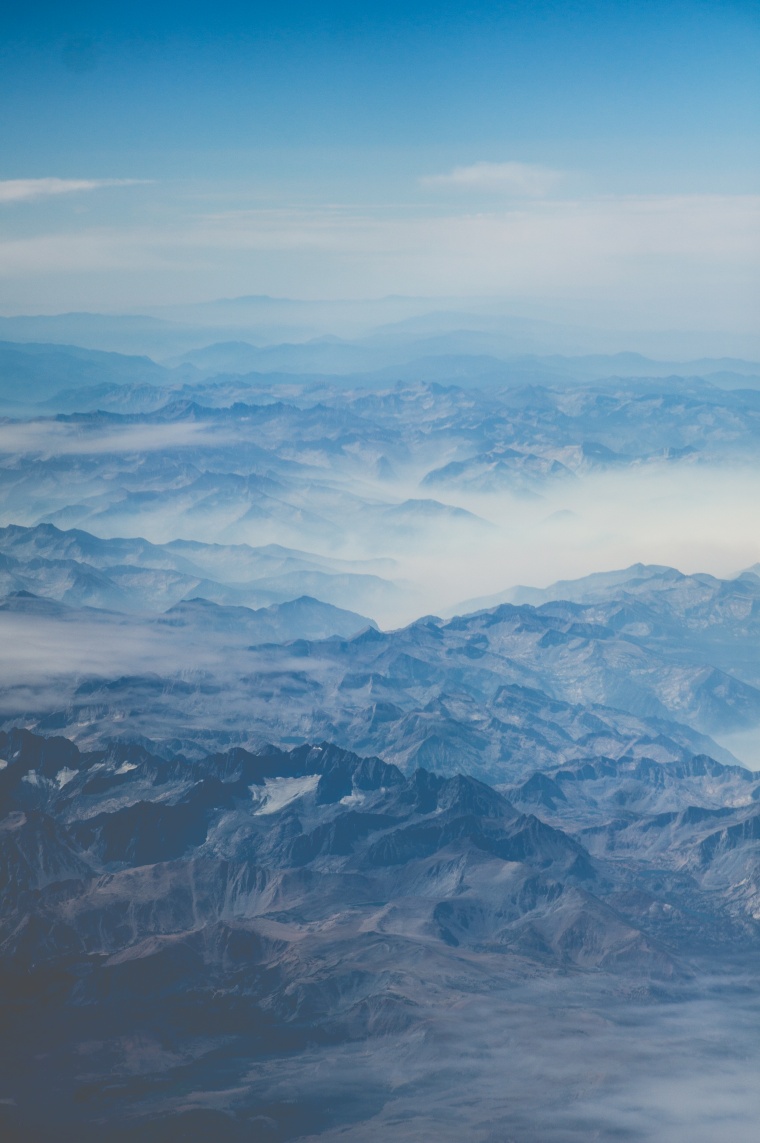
x=280, y=792
x=65, y=775
x=354, y=799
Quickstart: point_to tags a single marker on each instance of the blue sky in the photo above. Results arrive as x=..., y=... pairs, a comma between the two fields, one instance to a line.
x=327, y=135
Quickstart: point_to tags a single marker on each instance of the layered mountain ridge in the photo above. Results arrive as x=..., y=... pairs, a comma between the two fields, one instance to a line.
x=648, y=662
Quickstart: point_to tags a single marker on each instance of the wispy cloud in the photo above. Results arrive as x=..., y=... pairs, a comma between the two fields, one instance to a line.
x=19, y=190
x=523, y=179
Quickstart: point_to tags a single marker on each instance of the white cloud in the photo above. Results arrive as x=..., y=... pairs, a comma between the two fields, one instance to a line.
x=19, y=190
x=523, y=179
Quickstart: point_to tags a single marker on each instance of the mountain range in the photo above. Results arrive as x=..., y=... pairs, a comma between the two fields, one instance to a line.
x=314, y=822
x=653, y=662
x=186, y=932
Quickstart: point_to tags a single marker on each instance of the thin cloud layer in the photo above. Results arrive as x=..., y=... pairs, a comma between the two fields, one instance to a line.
x=48, y=438
x=624, y=258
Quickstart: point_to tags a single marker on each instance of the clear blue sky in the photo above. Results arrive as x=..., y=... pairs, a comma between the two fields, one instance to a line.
x=313, y=123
